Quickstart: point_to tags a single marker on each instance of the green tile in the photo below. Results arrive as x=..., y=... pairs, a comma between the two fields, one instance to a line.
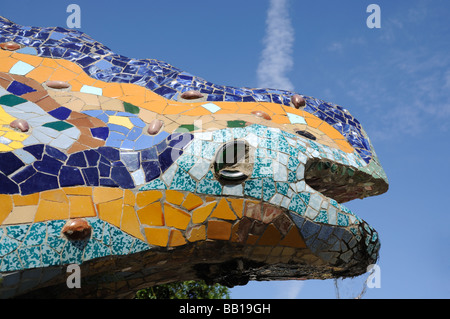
x=236, y=123
x=130, y=108
x=186, y=128
x=58, y=125
x=11, y=100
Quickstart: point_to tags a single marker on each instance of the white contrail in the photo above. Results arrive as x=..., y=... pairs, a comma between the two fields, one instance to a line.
x=276, y=59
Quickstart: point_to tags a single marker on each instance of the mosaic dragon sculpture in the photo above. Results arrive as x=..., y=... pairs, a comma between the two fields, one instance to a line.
x=143, y=174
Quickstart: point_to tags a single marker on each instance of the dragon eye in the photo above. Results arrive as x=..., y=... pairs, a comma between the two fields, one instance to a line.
x=228, y=159
x=307, y=135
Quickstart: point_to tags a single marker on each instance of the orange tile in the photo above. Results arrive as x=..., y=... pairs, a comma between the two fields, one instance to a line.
x=198, y=111
x=200, y=214
x=237, y=205
x=146, y=197
x=281, y=119
x=197, y=233
x=129, y=198
x=151, y=215
x=330, y=131
x=344, y=146
x=40, y=74
x=133, y=89
x=81, y=206
x=175, y=217
x=51, y=210
x=137, y=100
x=70, y=66
x=19, y=200
x=174, y=197
x=5, y=206
x=106, y=194
x=223, y=211
x=110, y=211
x=219, y=229
x=62, y=74
x=78, y=190
x=27, y=58
x=271, y=236
x=113, y=90
x=176, y=109
x=130, y=223
x=56, y=195
x=51, y=63
x=155, y=106
x=84, y=79
x=293, y=239
x=176, y=238
x=157, y=236
x=313, y=122
x=192, y=201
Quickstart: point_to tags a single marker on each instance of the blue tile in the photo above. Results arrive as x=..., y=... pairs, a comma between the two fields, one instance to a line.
x=48, y=165
x=7, y=186
x=77, y=160
x=122, y=177
x=70, y=176
x=9, y=163
x=55, y=153
x=61, y=113
x=18, y=88
x=91, y=176
x=39, y=182
x=151, y=170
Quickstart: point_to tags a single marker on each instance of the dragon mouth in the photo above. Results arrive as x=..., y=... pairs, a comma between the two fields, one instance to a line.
x=341, y=182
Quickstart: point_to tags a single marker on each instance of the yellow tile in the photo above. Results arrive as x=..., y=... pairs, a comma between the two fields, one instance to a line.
x=15, y=145
x=130, y=223
x=5, y=148
x=192, y=201
x=175, y=217
x=219, y=229
x=151, y=215
x=81, y=206
x=21, y=215
x=19, y=200
x=16, y=136
x=111, y=211
x=197, y=233
x=200, y=214
x=122, y=121
x=106, y=194
x=237, y=205
x=56, y=195
x=223, y=211
x=176, y=238
x=5, y=206
x=51, y=210
x=129, y=198
x=174, y=197
x=146, y=197
x=78, y=190
x=157, y=236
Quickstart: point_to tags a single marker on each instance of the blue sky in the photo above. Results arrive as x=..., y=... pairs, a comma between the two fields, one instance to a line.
x=395, y=80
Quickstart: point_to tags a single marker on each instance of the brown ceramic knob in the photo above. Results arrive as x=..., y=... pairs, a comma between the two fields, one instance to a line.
x=191, y=95
x=298, y=101
x=155, y=126
x=20, y=125
x=77, y=229
x=262, y=114
x=10, y=46
x=57, y=84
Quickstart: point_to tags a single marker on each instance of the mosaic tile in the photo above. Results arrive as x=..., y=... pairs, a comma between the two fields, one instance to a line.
x=114, y=141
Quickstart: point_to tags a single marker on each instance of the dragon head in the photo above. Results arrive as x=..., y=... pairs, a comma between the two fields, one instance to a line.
x=142, y=174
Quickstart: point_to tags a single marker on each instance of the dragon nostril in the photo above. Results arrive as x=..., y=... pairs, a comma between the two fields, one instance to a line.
x=262, y=114
x=77, y=229
x=191, y=95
